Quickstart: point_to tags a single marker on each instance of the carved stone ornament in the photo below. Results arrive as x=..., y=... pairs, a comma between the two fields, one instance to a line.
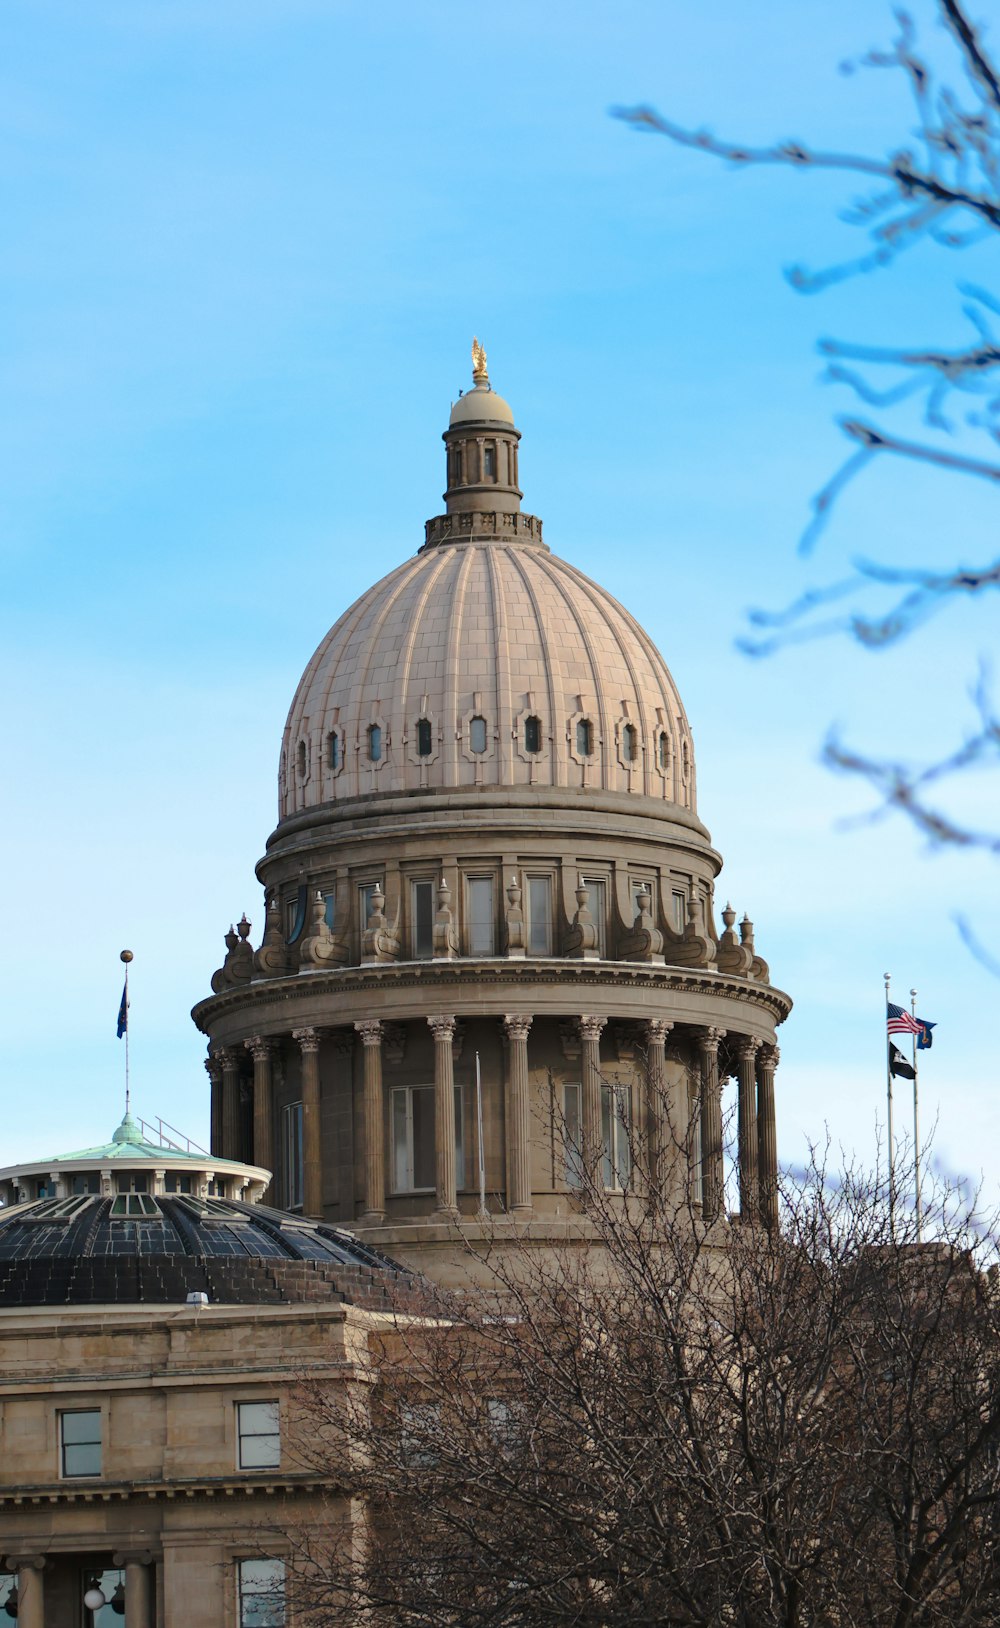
x=394, y=1041
x=591, y=1028
x=516, y=1026
x=308, y=1039
x=272, y=959
x=370, y=1030
x=320, y=947
x=380, y=944
x=657, y=1030
x=569, y=1040
x=696, y=947
x=583, y=938
x=260, y=1048
x=442, y=1027
x=645, y=941
x=237, y=968
x=445, y=944
x=513, y=921
x=731, y=955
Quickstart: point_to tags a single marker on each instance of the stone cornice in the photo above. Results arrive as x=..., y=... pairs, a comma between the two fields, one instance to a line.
x=463, y=981
x=164, y=1491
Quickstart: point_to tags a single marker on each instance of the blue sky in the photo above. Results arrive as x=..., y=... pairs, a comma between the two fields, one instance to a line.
x=246, y=245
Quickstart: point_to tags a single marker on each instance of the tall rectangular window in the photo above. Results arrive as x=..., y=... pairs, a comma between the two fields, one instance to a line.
x=262, y=1593
x=539, y=915
x=572, y=1130
x=481, y=926
x=80, y=1442
x=616, y=1160
x=680, y=905
x=598, y=906
x=414, y=1163
x=258, y=1438
x=366, y=893
x=422, y=896
x=291, y=1155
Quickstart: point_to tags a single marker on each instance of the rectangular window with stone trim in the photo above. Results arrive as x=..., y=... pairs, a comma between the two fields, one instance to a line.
x=597, y=887
x=414, y=1161
x=616, y=1159
x=422, y=920
x=80, y=1442
x=261, y=1588
x=539, y=902
x=291, y=1155
x=258, y=1436
x=481, y=925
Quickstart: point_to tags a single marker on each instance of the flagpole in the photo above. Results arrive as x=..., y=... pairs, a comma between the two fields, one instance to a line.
x=126, y=956
x=916, y=1121
x=888, y=1098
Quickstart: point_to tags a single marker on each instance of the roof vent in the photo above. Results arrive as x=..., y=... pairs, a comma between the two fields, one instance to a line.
x=197, y=1297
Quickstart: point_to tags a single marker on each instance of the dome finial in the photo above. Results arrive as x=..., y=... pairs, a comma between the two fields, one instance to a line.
x=479, y=373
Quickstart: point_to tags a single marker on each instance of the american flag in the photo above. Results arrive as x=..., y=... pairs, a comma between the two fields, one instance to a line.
x=899, y=1021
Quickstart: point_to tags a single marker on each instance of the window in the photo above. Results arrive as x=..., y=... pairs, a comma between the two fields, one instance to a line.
x=110, y=1586
x=330, y=909
x=616, y=1160
x=489, y=463
x=45, y=1189
x=300, y=759
x=572, y=1129
x=425, y=737
x=584, y=737
x=262, y=1593
x=133, y=1183
x=366, y=893
x=291, y=1155
x=419, y=1426
x=532, y=734
x=597, y=905
x=664, y=750
x=173, y=1183
x=481, y=928
x=80, y=1442
x=8, y=1592
x=374, y=743
x=413, y=1155
x=539, y=915
x=258, y=1440
x=477, y=734
x=333, y=750
x=295, y=914
x=86, y=1184
x=423, y=920
x=680, y=905
x=630, y=743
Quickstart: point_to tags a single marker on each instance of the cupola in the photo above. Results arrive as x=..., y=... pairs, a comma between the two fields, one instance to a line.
x=481, y=443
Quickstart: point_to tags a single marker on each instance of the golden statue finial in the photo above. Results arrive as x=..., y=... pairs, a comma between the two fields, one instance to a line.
x=479, y=373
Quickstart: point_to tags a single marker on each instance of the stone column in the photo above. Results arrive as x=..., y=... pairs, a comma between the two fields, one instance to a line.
x=666, y=1123
x=746, y=1058
x=214, y=1069
x=229, y=1057
x=712, y=1194
x=30, y=1589
x=312, y=1156
x=138, y=1593
x=262, y=1051
x=518, y=1116
x=591, y=1029
x=443, y=1030
x=767, y=1135
x=370, y=1030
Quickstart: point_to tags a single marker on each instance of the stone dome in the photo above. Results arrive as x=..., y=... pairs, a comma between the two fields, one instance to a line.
x=485, y=662
x=481, y=404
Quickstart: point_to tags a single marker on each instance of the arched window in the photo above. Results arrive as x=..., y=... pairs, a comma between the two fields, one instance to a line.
x=630, y=743
x=584, y=737
x=477, y=734
x=333, y=750
x=300, y=758
x=425, y=737
x=374, y=743
x=532, y=734
x=664, y=750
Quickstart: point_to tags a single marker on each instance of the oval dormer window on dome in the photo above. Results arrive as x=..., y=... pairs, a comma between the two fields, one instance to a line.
x=664, y=750
x=477, y=734
x=630, y=743
x=425, y=737
x=584, y=737
x=300, y=759
x=374, y=743
x=532, y=734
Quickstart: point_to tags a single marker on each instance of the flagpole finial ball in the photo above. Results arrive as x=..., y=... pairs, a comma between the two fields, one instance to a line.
x=127, y=956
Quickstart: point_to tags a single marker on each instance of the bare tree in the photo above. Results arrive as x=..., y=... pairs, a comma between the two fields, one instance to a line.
x=943, y=188
x=663, y=1422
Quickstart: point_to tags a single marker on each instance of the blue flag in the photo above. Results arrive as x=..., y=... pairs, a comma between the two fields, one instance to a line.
x=123, y=1013
x=925, y=1039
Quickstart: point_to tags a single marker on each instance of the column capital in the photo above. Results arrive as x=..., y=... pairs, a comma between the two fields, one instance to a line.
x=442, y=1026
x=370, y=1030
x=516, y=1025
x=213, y=1067
x=229, y=1056
x=22, y=1562
x=770, y=1055
x=657, y=1030
x=708, y=1041
x=747, y=1047
x=260, y=1047
x=590, y=1027
x=133, y=1557
x=308, y=1039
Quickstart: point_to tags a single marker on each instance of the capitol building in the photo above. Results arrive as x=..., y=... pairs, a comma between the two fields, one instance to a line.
x=489, y=901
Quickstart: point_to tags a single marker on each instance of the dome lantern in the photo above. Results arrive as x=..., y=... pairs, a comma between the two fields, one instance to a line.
x=481, y=442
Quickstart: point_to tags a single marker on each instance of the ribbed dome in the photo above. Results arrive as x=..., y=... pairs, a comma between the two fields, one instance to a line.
x=500, y=631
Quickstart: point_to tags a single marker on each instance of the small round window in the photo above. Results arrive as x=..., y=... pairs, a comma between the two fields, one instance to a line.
x=375, y=743
x=584, y=737
x=532, y=734
x=425, y=737
x=477, y=735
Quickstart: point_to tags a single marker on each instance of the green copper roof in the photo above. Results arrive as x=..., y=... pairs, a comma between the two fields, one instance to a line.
x=128, y=1143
